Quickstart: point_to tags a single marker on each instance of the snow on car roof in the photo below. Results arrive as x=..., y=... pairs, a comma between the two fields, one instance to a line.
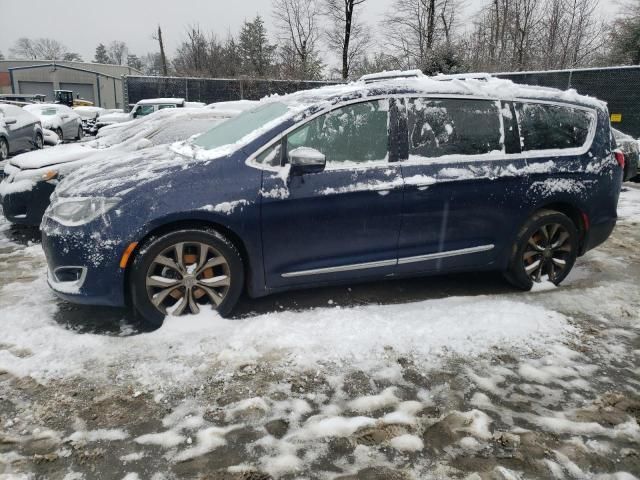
x=153, y=101
x=487, y=87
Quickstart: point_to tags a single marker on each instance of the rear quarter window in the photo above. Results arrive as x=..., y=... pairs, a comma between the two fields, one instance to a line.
x=440, y=127
x=553, y=127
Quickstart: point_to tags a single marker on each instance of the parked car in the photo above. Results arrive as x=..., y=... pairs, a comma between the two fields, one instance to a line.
x=393, y=178
x=631, y=150
x=148, y=106
x=66, y=123
x=89, y=116
x=31, y=178
x=19, y=131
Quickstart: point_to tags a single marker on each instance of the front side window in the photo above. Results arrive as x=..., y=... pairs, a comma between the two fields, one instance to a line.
x=143, y=110
x=546, y=127
x=440, y=127
x=354, y=133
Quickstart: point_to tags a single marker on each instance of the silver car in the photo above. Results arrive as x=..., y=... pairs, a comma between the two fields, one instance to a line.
x=59, y=118
x=19, y=131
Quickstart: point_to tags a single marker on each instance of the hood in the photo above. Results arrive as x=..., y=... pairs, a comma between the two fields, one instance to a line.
x=114, y=117
x=52, y=156
x=126, y=172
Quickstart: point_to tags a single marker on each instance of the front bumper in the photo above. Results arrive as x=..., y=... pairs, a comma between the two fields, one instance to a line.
x=27, y=207
x=100, y=280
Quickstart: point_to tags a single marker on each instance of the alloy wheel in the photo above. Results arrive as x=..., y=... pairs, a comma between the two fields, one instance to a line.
x=39, y=142
x=547, y=252
x=4, y=150
x=185, y=276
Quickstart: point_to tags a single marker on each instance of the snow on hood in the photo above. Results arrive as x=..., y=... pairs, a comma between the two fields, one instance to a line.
x=115, y=117
x=50, y=156
x=125, y=171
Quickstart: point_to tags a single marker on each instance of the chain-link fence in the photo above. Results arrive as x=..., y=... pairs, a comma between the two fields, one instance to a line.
x=618, y=86
x=208, y=90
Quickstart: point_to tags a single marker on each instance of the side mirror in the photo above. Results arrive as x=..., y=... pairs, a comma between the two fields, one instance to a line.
x=10, y=121
x=306, y=160
x=64, y=115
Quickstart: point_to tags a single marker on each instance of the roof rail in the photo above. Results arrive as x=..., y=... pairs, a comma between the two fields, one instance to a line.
x=388, y=75
x=462, y=76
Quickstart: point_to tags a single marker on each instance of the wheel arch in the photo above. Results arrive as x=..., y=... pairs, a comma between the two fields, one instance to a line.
x=196, y=224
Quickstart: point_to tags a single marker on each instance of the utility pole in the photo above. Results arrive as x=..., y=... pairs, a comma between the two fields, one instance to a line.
x=163, y=57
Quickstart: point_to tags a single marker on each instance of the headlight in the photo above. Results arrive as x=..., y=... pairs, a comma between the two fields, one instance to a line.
x=76, y=211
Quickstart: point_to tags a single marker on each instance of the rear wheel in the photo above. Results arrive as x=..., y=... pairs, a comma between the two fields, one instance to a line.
x=39, y=141
x=182, y=272
x=545, y=250
x=80, y=133
x=4, y=149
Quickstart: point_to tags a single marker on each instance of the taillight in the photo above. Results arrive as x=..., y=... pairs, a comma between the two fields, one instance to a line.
x=619, y=157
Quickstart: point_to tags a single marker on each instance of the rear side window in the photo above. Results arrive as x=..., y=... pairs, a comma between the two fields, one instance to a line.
x=546, y=127
x=453, y=127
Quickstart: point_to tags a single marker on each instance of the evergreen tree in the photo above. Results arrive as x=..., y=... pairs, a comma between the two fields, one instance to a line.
x=134, y=62
x=101, y=54
x=254, y=48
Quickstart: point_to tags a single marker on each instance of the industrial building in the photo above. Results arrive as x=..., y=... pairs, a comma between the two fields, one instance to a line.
x=99, y=83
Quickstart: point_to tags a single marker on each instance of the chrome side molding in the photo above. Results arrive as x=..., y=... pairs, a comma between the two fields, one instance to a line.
x=390, y=263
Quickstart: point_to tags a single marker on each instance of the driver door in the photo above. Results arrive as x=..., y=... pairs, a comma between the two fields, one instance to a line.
x=343, y=222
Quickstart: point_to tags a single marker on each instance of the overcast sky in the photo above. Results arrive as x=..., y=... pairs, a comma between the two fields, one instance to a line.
x=82, y=24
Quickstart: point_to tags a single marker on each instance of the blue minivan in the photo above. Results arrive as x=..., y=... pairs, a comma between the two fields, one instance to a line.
x=381, y=178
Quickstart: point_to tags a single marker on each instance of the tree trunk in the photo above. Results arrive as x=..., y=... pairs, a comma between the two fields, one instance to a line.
x=348, y=15
x=163, y=57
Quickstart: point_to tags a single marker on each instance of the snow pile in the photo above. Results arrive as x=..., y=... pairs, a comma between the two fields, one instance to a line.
x=364, y=337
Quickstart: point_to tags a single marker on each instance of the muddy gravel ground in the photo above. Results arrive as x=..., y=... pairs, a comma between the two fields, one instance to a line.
x=443, y=377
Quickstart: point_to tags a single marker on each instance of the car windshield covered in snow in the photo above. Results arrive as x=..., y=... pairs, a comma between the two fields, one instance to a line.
x=233, y=130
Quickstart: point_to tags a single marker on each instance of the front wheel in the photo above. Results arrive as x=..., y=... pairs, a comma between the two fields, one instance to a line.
x=181, y=272
x=59, y=133
x=80, y=133
x=39, y=141
x=545, y=249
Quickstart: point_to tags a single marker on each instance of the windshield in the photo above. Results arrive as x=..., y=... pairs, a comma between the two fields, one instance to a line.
x=48, y=111
x=233, y=130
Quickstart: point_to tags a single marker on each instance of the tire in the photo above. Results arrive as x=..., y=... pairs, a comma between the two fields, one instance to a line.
x=176, y=292
x=4, y=149
x=556, y=250
x=39, y=143
x=80, y=133
x=59, y=133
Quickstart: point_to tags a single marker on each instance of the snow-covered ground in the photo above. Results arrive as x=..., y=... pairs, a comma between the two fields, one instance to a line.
x=443, y=377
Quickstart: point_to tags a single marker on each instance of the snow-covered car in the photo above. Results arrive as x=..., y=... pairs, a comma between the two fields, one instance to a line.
x=150, y=105
x=111, y=117
x=631, y=150
x=19, y=131
x=89, y=116
x=32, y=177
x=61, y=119
x=410, y=176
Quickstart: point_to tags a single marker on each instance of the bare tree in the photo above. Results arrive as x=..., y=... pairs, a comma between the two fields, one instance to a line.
x=23, y=48
x=525, y=34
x=296, y=21
x=418, y=29
x=117, y=52
x=347, y=35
